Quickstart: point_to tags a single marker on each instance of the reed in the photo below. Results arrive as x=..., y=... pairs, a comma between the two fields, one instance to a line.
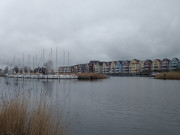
x=18, y=117
x=92, y=75
x=173, y=75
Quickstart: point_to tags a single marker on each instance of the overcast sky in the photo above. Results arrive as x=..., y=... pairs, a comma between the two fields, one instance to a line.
x=90, y=29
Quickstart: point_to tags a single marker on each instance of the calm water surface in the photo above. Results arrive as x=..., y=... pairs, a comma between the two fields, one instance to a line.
x=114, y=106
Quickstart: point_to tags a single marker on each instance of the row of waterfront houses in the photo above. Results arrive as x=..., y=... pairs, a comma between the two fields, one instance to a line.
x=125, y=67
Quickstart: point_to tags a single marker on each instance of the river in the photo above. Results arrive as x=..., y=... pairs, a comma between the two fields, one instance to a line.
x=113, y=106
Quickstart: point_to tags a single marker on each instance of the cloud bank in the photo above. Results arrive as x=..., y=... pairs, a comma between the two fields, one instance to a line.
x=90, y=30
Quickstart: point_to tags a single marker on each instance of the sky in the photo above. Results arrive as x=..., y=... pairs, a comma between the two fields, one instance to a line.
x=104, y=30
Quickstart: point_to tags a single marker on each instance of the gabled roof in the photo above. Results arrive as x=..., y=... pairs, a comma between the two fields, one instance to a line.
x=94, y=61
x=157, y=60
x=120, y=61
x=115, y=62
x=107, y=63
x=175, y=59
x=165, y=59
x=100, y=63
x=148, y=61
x=136, y=60
x=126, y=61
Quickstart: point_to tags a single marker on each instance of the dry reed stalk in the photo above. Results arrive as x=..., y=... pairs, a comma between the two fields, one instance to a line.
x=17, y=119
x=94, y=75
x=174, y=75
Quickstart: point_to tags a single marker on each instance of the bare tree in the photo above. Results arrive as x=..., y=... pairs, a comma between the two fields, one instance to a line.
x=26, y=69
x=16, y=69
x=48, y=66
x=6, y=70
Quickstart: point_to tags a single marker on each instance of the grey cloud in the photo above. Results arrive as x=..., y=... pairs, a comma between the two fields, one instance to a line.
x=90, y=30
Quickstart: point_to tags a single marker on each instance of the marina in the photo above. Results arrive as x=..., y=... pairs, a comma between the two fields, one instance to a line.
x=41, y=76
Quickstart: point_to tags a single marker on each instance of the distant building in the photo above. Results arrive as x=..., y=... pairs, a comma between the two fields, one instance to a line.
x=125, y=66
x=119, y=66
x=91, y=64
x=165, y=65
x=106, y=67
x=113, y=67
x=174, y=64
x=98, y=67
x=156, y=65
x=65, y=69
x=77, y=68
x=141, y=64
x=83, y=68
x=116, y=67
x=147, y=66
x=37, y=70
x=134, y=67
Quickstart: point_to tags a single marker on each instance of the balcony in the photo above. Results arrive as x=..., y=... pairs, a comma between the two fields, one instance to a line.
x=164, y=64
x=156, y=68
x=174, y=67
x=145, y=66
x=164, y=68
x=174, y=64
x=125, y=66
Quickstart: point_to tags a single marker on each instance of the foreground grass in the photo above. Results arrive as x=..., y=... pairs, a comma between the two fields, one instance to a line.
x=175, y=75
x=17, y=117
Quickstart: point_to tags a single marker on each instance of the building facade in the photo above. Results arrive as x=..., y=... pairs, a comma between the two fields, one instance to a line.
x=134, y=67
x=147, y=67
x=165, y=65
x=156, y=65
x=125, y=66
x=174, y=64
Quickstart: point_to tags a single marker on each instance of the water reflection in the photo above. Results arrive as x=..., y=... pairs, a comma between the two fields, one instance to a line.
x=127, y=105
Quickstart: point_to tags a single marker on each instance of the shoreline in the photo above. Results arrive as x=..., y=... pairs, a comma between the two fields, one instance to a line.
x=173, y=75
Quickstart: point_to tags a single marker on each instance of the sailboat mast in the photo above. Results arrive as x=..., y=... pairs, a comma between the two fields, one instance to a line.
x=19, y=61
x=23, y=62
x=14, y=62
x=36, y=62
x=56, y=57
x=63, y=61
x=33, y=63
x=43, y=57
x=68, y=58
x=29, y=67
x=51, y=54
x=29, y=61
x=64, y=58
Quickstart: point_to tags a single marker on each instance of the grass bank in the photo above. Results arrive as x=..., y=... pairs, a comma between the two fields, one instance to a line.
x=174, y=75
x=91, y=76
x=19, y=117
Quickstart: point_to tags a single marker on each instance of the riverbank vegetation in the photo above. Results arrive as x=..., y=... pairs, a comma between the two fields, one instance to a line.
x=18, y=116
x=174, y=75
x=91, y=76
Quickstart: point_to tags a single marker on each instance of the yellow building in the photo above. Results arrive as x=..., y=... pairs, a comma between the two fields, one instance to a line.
x=156, y=65
x=141, y=63
x=113, y=67
x=97, y=67
x=134, y=67
x=106, y=67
